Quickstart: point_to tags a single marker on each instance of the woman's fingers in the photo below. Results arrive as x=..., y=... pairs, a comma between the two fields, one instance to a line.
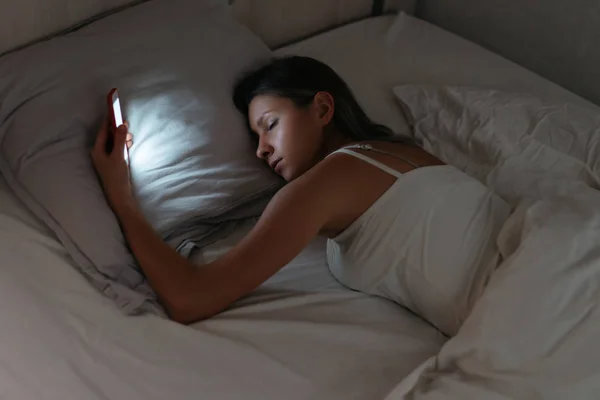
x=122, y=137
x=101, y=137
x=120, y=140
x=129, y=140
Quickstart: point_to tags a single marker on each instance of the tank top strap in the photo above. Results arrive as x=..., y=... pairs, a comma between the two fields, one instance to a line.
x=373, y=162
x=369, y=160
x=389, y=153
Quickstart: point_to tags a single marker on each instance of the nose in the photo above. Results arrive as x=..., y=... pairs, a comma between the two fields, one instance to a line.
x=264, y=150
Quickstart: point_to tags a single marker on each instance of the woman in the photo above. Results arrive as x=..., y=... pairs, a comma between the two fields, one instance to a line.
x=343, y=173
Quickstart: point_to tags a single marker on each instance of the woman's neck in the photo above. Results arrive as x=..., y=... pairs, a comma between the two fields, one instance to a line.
x=334, y=140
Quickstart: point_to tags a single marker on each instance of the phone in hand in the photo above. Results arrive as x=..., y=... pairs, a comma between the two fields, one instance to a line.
x=116, y=120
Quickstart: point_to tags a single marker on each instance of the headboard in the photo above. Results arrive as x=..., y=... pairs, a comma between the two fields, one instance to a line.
x=24, y=21
x=276, y=21
x=558, y=39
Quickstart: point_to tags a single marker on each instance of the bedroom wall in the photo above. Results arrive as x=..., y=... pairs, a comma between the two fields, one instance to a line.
x=23, y=21
x=558, y=39
x=407, y=6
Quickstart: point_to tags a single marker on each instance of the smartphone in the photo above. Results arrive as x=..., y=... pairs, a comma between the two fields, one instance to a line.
x=116, y=120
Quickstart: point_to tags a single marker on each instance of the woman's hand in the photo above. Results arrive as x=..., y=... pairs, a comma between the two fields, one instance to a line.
x=112, y=167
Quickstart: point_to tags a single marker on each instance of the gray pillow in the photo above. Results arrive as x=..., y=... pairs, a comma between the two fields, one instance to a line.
x=192, y=165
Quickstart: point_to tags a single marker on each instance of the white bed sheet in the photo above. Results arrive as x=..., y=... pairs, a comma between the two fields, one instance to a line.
x=299, y=336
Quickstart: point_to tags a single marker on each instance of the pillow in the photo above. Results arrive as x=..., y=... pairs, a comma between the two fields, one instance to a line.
x=493, y=136
x=192, y=164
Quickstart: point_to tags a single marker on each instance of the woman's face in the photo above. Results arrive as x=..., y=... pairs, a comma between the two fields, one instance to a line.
x=290, y=138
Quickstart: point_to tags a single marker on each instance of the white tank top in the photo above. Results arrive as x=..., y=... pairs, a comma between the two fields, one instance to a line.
x=428, y=243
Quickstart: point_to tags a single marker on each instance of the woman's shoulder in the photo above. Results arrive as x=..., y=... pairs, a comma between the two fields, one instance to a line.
x=338, y=186
x=342, y=172
x=401, y=156
x=350, y=183
x=328, y=175
x=333, y=180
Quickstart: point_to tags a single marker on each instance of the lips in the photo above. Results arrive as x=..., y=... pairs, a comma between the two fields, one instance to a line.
x=273, y=164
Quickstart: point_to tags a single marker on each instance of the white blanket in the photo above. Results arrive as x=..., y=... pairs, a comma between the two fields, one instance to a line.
x=299, y=336
x=532, y=333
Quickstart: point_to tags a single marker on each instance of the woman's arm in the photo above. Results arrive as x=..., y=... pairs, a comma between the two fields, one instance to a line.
x=189, y=293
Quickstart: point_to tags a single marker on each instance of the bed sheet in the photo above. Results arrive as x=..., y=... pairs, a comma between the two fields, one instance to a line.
x=300, y=335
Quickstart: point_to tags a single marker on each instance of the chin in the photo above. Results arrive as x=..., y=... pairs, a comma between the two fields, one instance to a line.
x=286, y=174
x=287, y=177
x=290, y=174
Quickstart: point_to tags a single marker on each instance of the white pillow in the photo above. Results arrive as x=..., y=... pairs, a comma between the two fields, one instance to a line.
x=192, y=165
x=492, y=135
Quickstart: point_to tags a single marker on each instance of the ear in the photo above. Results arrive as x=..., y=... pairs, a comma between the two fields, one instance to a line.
x=325, y=106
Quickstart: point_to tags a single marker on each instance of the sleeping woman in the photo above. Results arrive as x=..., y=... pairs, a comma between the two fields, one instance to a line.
x=401, y=224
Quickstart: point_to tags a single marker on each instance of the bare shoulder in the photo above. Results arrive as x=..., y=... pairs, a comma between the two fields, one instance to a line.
x=333, y=176
x=341, y=187
x=323, y=182
x=341, y=173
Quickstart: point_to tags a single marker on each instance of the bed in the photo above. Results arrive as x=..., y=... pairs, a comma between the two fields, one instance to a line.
x=301, y=335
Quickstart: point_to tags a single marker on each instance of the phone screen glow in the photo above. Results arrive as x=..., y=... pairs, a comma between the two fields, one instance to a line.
x=117, y=111
x=119, y=121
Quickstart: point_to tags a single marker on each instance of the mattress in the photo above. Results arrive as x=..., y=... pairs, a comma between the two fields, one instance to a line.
x=301, y=335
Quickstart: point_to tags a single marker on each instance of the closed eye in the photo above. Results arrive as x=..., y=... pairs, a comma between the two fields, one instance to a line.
x=272, y=125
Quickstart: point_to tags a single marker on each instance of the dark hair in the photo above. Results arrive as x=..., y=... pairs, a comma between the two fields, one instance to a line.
x=299, y=79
